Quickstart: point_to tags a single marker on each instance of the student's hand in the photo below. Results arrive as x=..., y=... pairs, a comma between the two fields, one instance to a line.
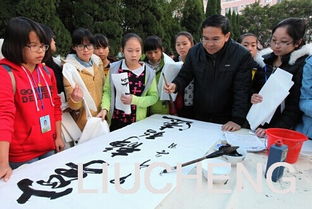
x=170, y=88
x=5, y=171
x=102, y=114
x=77, y=94
x=230, y=126
x=126, y=99
x=256, y=98
x=59, y=144
x=260, y=132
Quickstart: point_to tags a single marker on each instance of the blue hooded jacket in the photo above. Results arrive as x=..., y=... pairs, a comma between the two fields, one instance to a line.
x=305, y=103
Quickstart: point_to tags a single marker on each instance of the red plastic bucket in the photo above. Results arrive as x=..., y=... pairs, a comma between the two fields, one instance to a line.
x=292, y=139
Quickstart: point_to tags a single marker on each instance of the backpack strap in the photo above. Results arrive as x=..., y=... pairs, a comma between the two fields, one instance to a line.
x=9, y=70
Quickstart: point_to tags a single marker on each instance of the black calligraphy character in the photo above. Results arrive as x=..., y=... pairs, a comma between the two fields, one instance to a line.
x=158, y=134
x=108, y=149
x=25, y=186
x=123, y=151
x=86, y=165
x=124, y=81
x=149, y=132
x=72, y=173
x=56, y=181
x=124, y=147
x=174, y=122
x=142, y=165
x=122, y=143
x=152, y=134
x=163, y=152
x=173, y=145
x=121, y=180
x=117, y=144
x=59, y=183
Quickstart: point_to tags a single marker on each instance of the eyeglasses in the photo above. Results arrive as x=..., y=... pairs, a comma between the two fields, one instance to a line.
x=204, y=40
x=280, y=43
x=36, y=48
x=85, y=46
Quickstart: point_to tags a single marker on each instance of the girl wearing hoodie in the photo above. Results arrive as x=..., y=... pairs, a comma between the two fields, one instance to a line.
x=30, y=114
x=305, y=103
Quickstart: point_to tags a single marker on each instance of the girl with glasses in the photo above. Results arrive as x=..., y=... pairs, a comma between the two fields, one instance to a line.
x=288, y=54
x=30, y=114
x=90, y=69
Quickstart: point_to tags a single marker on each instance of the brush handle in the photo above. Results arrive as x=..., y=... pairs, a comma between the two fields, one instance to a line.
x=212, y=155
x=172, y=108
x=218, y=153
x=193, y=161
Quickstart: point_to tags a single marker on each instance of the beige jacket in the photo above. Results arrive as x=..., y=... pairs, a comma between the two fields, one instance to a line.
x=94, y=81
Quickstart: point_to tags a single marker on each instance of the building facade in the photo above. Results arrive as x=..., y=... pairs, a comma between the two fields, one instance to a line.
x=238, y=5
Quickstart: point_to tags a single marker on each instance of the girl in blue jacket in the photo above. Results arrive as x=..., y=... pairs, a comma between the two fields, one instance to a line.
x=305, y=103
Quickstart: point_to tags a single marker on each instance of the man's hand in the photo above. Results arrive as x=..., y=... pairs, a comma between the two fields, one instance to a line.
x=256, y=98
x=260, y=132
x=230, y=126
x=170, y=88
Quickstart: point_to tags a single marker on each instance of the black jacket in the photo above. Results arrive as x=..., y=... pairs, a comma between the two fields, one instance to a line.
x=288, y=116
x=222, y=82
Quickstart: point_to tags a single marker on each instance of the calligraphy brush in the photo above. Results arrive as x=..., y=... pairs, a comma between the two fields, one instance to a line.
x=172, y=109
x=223, y=150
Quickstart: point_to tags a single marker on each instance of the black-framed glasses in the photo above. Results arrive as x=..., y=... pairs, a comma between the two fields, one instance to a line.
x=37, y=47
x=84, y=46
x=280, y=43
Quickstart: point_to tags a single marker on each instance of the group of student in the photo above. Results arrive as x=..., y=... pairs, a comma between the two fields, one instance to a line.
x=215, y=83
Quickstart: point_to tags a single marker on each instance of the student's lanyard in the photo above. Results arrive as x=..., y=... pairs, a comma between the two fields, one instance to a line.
x=39, y=86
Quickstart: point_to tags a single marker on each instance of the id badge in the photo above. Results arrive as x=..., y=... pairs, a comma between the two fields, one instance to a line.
x=45, y=123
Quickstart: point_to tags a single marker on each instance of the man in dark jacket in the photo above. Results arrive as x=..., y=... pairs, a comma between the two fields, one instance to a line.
x=221, y=69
